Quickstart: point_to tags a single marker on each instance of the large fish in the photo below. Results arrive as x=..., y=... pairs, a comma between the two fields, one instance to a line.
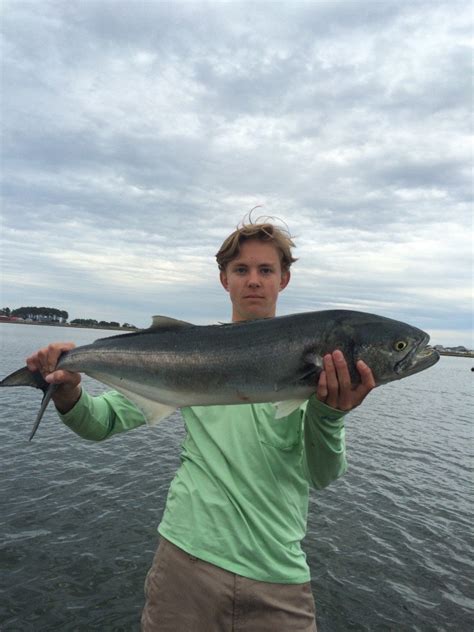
x=176, y=364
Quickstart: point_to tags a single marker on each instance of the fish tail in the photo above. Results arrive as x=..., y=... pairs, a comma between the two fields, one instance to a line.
x=25, y=377
x=44, y=403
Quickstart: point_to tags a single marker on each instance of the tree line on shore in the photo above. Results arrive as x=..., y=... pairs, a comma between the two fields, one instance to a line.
x=54, y=315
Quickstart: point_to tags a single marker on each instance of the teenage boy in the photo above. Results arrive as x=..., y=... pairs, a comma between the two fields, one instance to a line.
x=230, y=556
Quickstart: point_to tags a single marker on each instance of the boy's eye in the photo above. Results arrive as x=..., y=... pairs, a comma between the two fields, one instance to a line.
x=266, y=270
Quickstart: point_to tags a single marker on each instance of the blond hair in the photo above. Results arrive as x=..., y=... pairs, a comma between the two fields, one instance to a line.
x=263, y=230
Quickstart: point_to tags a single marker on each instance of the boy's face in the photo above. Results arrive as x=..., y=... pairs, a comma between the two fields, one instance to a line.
x=254, y=279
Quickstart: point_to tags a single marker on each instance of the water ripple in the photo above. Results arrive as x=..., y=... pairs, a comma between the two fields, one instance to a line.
x=389, y=544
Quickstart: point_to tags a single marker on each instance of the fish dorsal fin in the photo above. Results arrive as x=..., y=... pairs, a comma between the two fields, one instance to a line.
x=166, y=322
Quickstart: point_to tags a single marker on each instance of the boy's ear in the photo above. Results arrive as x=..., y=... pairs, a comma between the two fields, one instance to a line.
x=285, y=279
x=223, y=278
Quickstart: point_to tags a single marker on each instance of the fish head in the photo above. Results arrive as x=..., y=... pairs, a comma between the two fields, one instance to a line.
x=392, y=349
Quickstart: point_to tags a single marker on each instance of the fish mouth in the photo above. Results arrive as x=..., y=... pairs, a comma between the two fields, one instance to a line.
x=421, y=357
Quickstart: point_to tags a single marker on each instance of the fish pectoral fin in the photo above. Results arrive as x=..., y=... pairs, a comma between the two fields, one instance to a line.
x=308, y=373
x=309, y=376
x=283, y=409
x=312, y=369
x=314, y=360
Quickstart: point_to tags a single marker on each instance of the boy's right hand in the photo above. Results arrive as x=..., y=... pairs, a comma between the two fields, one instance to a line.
x=45, y=361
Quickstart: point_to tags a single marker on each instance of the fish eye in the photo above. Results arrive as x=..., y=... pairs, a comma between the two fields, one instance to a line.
x=400, y=345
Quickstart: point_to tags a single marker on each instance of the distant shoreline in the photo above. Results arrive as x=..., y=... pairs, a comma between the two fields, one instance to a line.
x=67, y=325
x=125, y=329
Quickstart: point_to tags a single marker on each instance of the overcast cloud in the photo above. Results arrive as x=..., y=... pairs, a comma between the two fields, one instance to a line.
x=136, y=135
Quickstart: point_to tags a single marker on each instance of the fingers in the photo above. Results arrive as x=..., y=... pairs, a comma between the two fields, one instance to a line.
x=334, y=386
x=367, y=382
x=328, y=385
x=63, y=377
x=339, y=381
x=46, y=359
x=322, y=388
x=366, y=377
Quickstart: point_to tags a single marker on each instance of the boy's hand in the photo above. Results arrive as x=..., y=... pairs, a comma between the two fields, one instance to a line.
x=334, y=386
x=45, y=361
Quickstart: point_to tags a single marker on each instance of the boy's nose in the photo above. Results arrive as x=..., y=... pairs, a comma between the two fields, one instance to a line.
x=254, y=278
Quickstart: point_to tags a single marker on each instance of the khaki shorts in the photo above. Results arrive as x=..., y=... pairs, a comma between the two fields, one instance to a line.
x=185, y=594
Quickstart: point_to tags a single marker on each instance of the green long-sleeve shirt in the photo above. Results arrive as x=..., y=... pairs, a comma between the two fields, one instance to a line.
x=240, y=497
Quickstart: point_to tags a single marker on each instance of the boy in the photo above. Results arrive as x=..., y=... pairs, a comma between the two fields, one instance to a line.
x=229, y=556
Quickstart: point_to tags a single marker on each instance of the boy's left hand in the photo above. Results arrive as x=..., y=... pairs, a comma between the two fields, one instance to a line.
x=334, y=386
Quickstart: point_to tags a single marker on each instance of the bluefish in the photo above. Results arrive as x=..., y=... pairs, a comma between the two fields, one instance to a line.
x=175, y=363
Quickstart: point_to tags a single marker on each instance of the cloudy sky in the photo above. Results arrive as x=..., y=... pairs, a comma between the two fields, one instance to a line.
x=137, y=135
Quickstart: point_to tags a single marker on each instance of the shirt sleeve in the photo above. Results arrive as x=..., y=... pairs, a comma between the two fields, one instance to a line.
x=324, y=458
x=98, y=418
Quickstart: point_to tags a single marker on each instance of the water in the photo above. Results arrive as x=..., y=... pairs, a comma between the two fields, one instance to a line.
x=389, y=545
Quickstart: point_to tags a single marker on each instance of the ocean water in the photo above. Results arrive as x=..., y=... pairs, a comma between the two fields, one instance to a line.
x=389, y=545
